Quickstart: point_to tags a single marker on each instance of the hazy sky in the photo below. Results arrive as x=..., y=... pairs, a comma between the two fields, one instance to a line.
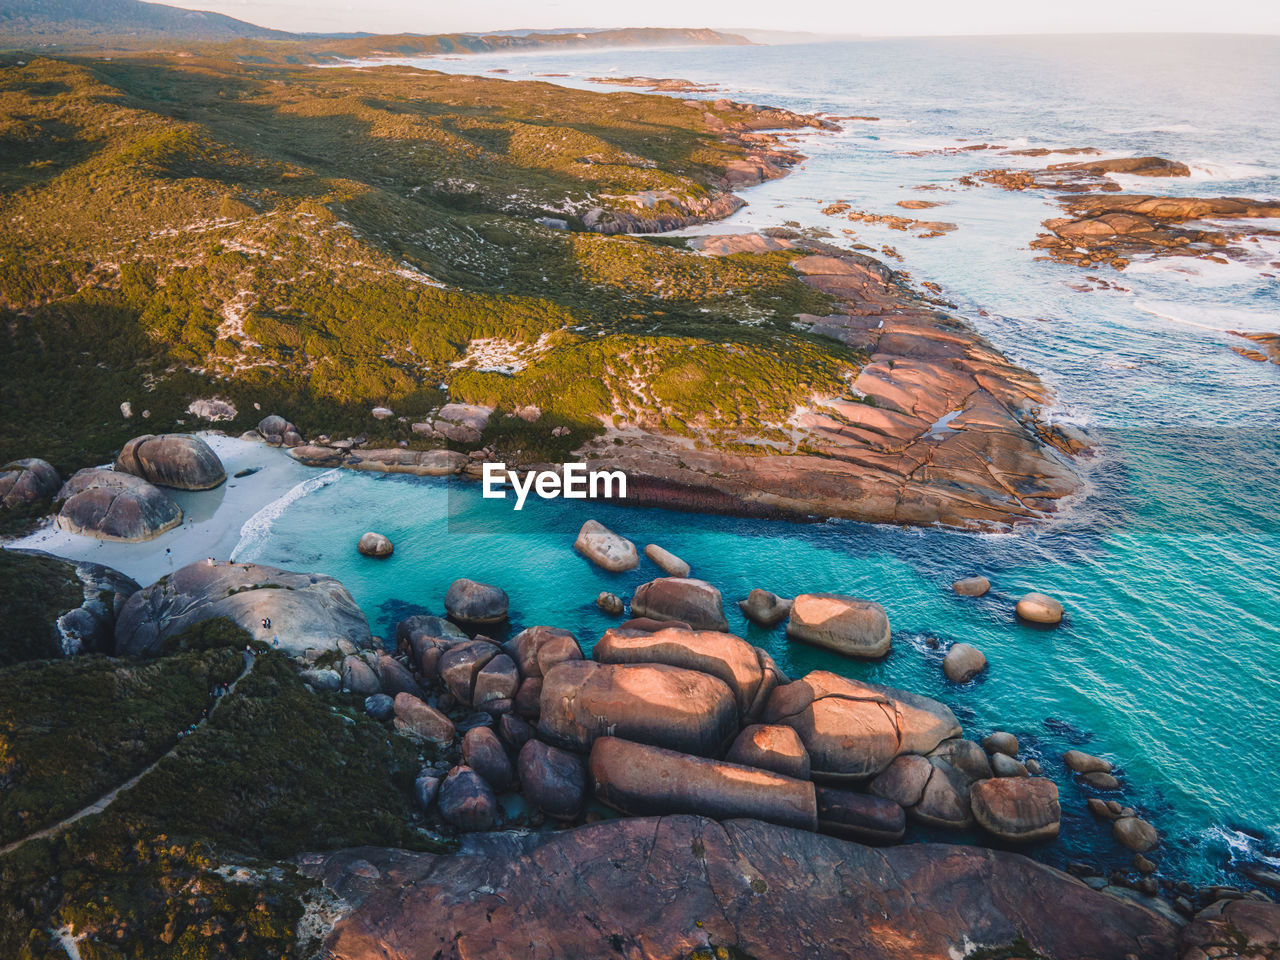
x=872, y=17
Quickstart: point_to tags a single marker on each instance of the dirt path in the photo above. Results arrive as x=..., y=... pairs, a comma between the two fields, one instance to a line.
x=101, y=804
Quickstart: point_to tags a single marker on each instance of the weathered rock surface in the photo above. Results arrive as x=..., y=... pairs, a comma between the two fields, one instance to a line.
x=721, y=655
x=775, y=748
x=301, y=610
x=904, y=780
x=1021, y=809
x=854, y=730
x=651, y=703
x=675, y=885
x=484, y=753
x=963, y=662
x=1001, y=742
x=470, y=602
x=670, y=564
x=855, y=628
x=467, y=801
x=1136, y=834
x=1037, y=608
x=115, y=506
x=1233, y=930
x=857, y=816
x=605, y=548
x=610, y=603
x=459, y=422
x=692, y=601
x=420, y=463
x=380, y=706
x=394, y=677
x=642, y=780
x=178, y=460
x=1081, y=762
x=421, y=720
x=359, y=677
x=553, y=780
x=27, y=481
x=461, y=663
x=536, y=650
x=375, y=545
x=765, y=608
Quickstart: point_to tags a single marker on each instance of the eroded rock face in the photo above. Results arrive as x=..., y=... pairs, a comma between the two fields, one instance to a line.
x=27, y=481
x=651, y=703
x=640, y=780
x=1233, y=930
x=692, y=601
x=605, y=548
x=178, y=460
x=674, y=885
x=109, y=505
x=301, y=610
x=856, y=628
x=854, y=731
x=1021, y=809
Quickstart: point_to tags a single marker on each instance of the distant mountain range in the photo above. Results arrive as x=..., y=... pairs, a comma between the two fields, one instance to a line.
x=130, y=23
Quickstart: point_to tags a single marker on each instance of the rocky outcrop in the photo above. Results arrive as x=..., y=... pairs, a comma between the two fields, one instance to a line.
x=856, y=628
x=854, y=731
x=470, y=602
x=27, y=481
x=692, y=601
x=460, y=422
x=605, y=548
x=109, y=505
x=765, y=608
x=771, y=747
x=420, y=720
x=651, y=703
x=178, y=460
x=641, y=780
x=294, y=612
x=1233, y=930
x=1021, y=809
x=669, y=887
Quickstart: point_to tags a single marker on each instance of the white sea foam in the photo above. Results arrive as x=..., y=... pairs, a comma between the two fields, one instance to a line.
x=257, y=528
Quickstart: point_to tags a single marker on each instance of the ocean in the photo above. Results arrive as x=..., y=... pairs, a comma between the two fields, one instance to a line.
x=1169, y=567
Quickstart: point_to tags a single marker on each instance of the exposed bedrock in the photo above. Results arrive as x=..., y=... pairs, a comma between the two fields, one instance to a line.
x=663, y=888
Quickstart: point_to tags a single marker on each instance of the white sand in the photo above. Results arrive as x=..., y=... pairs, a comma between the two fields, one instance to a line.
x=212, y=520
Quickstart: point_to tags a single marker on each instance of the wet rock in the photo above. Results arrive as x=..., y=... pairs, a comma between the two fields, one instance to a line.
x=553, y=780
x=359, y=677
x=721, y=655
x=1136, y=834
x=380, y=706
x=108, y=505
x=27, y=481
x=691, y=601
x=854, y=730
x=1037, y=608
x=461, y=663
x=1081, y=762
x=669, y=563
x=178, y=460
x=484, y=754
x=421, y=721
x=859, y=817
x=375, y=545
x=1003, y=765
x=605, y=548
x=470, y=602
x=855, y=628
x=963, y=662
x=467, y=801
x=1001, y=742
x=1101, y=809
x=1021, y=809
x=498, y=680
x=904, y=781
x=775, y=748
x=795, y=896
x=765, y=608
x=641, y=780
x=972, y=586
x=292, y=612
x=1100, y=781
x=649, y=703
x=610, y=603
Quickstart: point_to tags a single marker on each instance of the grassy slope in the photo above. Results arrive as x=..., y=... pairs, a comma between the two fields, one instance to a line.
x=275, y=771
x=34, y=592
x=177, y=227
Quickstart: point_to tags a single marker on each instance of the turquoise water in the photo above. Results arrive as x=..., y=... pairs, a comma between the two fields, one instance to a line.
x=1169, y=568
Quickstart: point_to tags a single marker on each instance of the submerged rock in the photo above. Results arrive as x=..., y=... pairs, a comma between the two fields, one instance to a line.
x=178, y=460
x=1080, y=762
x=610, y=603
x=856, y=628
x=27, y=481
x=692, y=601
x=293, y=612
x=605, y=548
x=669, y=886
x=115, y=506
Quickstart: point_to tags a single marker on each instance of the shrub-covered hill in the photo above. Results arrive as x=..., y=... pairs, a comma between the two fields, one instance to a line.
x=320, y=241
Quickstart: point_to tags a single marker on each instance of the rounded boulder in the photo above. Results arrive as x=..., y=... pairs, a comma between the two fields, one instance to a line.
x=553, y=780
x=847, y=625
x=375, y=545
x=471, y=602
x=1018, y=809
x=178, y=460
x=689, y=600
x=1037, y=608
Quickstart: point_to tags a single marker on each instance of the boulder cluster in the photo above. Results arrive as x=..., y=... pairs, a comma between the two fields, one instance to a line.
x=671, y=717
